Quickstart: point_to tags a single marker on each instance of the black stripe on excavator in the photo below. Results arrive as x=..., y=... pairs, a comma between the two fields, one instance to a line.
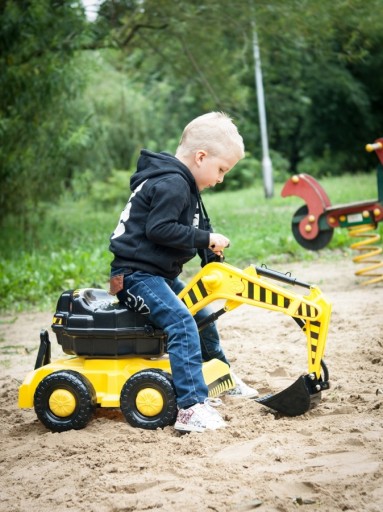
x=307, y=310
x=201, y=288
x=314, y=335
x=262, y=296
x=192, y=296
x=314, y=352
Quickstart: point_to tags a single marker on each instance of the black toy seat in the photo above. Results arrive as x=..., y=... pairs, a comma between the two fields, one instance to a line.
x=90, y=322
x=96, y=298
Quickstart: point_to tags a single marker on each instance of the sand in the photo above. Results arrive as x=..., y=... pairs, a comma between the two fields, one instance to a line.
x=330, y=459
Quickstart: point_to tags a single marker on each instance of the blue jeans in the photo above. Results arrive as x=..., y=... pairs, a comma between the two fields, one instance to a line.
x=209, y=337
x=156, y=297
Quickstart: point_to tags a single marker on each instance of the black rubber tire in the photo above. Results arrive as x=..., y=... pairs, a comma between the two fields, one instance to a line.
x=154, y=379
x=84, y=397
x=323, y=238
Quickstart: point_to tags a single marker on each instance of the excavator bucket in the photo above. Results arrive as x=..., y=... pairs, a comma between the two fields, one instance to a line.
x=297, y=399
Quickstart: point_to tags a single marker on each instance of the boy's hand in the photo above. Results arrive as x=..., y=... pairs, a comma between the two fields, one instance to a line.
x=217, y=243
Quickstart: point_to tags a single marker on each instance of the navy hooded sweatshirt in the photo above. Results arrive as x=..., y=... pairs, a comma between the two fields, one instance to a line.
x=161, y=227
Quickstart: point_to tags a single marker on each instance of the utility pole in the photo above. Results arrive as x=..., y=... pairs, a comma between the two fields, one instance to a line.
x=267, y=168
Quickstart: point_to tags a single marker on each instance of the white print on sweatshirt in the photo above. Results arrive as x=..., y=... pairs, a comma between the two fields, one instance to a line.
x=120, y=229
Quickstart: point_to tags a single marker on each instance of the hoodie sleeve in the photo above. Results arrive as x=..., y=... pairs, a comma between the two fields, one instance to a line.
x=170, y=218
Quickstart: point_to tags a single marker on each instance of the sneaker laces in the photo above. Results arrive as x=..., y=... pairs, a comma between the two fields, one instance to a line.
x=210, y=406
x=213, y=402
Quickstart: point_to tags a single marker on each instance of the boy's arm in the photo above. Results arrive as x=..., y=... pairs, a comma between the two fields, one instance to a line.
x=169, y=199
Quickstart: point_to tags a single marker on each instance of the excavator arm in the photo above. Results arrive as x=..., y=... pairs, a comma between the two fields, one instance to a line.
x=256, y=286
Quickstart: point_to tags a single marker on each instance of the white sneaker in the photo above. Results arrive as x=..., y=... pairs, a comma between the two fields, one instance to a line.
x=241, y=389
x=198, y=418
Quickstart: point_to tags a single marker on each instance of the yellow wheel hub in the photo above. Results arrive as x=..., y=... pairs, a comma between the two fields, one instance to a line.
x=149, y=402
x=62, y=403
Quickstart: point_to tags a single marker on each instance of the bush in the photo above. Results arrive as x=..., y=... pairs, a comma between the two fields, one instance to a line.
x=330, y=164
x=115, y=190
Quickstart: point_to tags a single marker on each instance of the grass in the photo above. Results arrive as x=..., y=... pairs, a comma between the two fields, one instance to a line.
x=260, y=228
x=70, y=247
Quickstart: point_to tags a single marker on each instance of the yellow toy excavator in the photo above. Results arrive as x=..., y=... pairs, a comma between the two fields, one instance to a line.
x=116, y=358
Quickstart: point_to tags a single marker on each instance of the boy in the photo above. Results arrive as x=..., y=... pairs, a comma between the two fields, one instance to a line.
x=161, y=228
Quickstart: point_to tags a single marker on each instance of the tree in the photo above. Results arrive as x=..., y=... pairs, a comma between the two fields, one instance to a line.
x=38, y=82
x=320, y=74
x=312, y=55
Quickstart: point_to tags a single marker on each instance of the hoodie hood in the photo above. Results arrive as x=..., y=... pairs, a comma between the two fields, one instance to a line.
x=152, y=165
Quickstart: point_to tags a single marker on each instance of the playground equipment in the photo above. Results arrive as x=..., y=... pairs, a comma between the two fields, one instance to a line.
x=118, y=359
x=313, y=224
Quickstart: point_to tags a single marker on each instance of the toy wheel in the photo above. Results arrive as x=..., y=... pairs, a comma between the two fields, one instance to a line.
x=64, y=400
x=319, y=242
x=148, y=400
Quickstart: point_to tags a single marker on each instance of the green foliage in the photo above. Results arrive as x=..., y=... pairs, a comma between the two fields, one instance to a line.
x=280, y=167
x=244, y=174
x=248, y=172
x=319, y=70
x=125, y=114
x=160, y=37
x=42, y=275
x=320, y=79
x=114, y=191
x=329, y=165
x=39, y=79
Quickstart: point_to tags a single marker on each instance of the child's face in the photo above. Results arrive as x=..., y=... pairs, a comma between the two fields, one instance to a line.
x=210, y=170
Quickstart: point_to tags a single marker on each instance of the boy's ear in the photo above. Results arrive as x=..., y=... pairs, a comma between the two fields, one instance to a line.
x=200, y=155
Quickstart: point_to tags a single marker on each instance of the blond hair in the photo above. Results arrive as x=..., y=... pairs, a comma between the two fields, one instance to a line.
x=214, y=133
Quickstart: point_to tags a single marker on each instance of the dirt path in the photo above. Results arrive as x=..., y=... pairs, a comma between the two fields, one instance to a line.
x=330, y=459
